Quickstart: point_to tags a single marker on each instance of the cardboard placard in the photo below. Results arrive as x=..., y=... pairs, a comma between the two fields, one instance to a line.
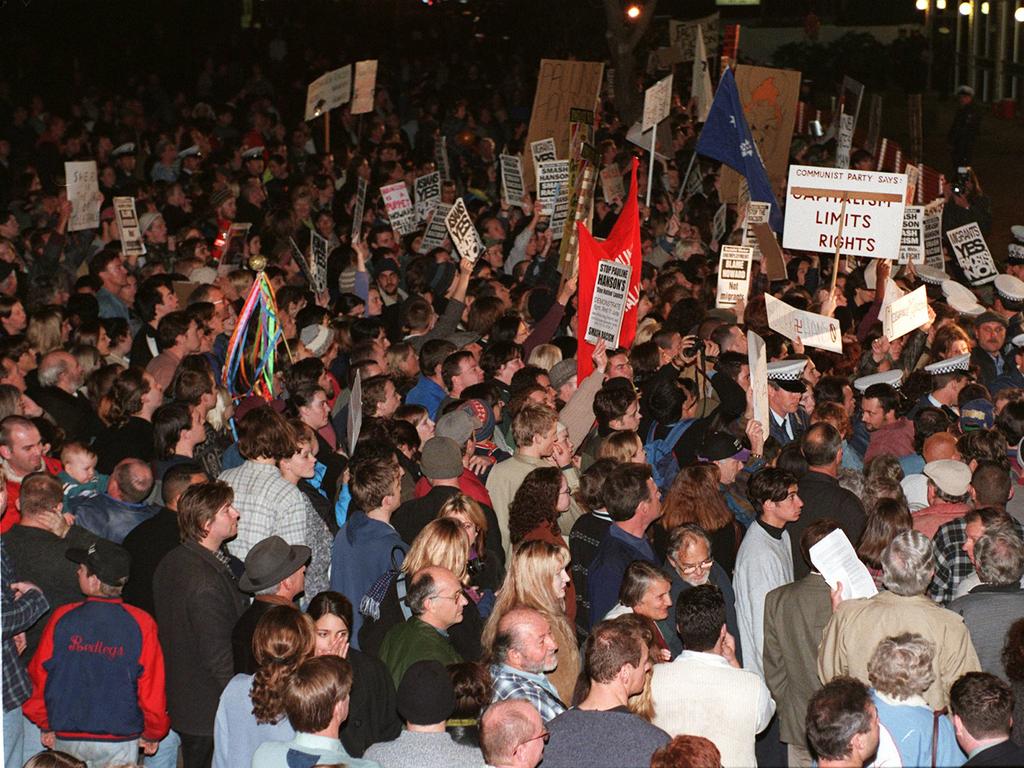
x=844, y=141
x=464, y=235
x=906, y=314
x=610, y=291
x=873, y=220
x=773, y=263
x=542, y=151
x=733, y=275
x=812, y=329
x=756, y=213
x=318, y=262
x=84, y=195
x=912, y=238
x=700, y=80
x=436, y=231
x=611, y=184
x=329, y=91
x=512, y=179
x=757, y=359
x=358, y=209
x=552, y=181
x=682, y=35
x=365, y=86
x=972, y=254
x=128, y=226
x=399, y=206
x=932, y=234
x=428, y=194
x=657, y=103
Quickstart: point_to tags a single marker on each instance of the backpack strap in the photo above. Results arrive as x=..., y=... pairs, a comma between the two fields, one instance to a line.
x=402, y=588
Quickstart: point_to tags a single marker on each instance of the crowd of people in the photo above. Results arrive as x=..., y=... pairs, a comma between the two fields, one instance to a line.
x=480, y=557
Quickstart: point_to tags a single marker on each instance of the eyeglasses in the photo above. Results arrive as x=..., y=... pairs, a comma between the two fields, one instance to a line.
x=693, y=568
x=565, y=492
x=545, y=736
x=456, y=596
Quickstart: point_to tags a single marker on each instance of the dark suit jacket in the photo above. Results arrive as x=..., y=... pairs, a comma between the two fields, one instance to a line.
x=798, y=422
x=823, y=497
x=410, y=518
x=987, y=366
x=71, y=413
x=795, y=616
x=241, y=635
x=1005, y=754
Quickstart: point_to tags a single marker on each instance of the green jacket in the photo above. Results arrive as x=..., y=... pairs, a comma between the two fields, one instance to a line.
x=412, y=641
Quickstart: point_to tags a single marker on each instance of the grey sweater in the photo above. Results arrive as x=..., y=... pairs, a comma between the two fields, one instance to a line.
x=613, y=739
x=416, y=750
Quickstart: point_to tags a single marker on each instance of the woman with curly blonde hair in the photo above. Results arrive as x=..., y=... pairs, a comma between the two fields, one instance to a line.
x=484, y=565
x=695, y=497
x=537, y=577
x=251, y=708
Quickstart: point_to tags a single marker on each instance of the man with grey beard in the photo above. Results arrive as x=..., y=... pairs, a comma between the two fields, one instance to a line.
x=691, y=565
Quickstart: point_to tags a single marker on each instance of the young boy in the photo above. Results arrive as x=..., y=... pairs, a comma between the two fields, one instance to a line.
x=79, y=475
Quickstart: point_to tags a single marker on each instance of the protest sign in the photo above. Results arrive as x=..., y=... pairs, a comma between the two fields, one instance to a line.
x=301, y=262
x=365, y=86
x=234, y=251
x=83, y=194
x=128, y=226
x=552, y=181
x=913, y=177
x=719, y=223
x=772, y=262
x=657, y=103
x=399, y=206
x=757, y=213
x=932, y=235
x=611, y=183
x=428, y=194
x=609, y=303
x=682, y=35
x=972, y=254
x=757, y=358
x=441, y=157
x=769, y=97
x=871, y=215
x=329, y=91
x=906, y=314
x=844, y=141
x=436, y=231
x=512, y=179
x=912, y=238
x=733, y=275
x=561, y=85
x=700, y=80
x=464, y=235
x=812, y=329
x=542, y=151
x=354, y=422
x=581, y=202
x=318, y=262
x=357, y=210
x=851, y=94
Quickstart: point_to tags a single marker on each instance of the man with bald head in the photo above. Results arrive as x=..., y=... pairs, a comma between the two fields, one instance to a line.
x=524, y=650
x=512, y=735
x=112, y=515
x=60, y=377
x=941, y=446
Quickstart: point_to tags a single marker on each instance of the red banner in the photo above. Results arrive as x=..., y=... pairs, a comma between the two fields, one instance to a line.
x=622, y=246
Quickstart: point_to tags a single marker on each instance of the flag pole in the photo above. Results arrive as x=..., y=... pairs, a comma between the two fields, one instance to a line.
x=686, y=179
x=839, y=244
x=650, y=167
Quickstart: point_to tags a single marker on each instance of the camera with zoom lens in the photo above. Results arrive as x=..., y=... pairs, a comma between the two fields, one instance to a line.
x=694, y=348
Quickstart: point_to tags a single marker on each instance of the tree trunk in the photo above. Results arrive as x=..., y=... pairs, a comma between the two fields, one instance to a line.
x=623, y=37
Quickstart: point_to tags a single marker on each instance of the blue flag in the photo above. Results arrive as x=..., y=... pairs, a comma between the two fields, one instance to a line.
x=726, y=138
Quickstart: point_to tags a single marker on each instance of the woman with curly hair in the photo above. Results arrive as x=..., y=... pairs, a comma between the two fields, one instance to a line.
x=537, y=578
x=129, y=407
x=251, y=708
x=695, y=497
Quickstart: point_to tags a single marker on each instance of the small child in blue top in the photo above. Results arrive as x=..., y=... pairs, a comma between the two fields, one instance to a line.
x=79, y=475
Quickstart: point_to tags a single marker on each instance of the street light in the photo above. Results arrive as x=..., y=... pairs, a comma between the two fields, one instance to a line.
x=922, y=5
x=965, y=9
x=984, y=8
x=940, y=4
x=633, y=12
x=1018, y=15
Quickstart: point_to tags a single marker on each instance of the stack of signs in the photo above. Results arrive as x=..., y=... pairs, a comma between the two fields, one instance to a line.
x=441, y=157
x=873, y=220
x=611, y=184
x=128, y=225
x=552, y=185
x=932, y=235
x=399, y=207
x=812, y=329
x=84, y=195
x=357, y=211
x=428, y=194
x=609, y=303
x=757, y=213
x=906, y=314
x=464, y=235
x=436, y=231
x=329, y=91
x=720, y=222
x=512, y=187
x=844, y=141
x=757, y=357
x=318, y=263
x=366, y=84
x=912, y=240
x=973, y=254
x=733, y=275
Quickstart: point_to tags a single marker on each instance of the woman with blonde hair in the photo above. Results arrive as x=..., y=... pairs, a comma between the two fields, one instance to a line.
x=545, y=356
x=485, y=569
x=537, y=577
x=695, y=497
x=623, y=448
x=45, y=331
x=251, y=708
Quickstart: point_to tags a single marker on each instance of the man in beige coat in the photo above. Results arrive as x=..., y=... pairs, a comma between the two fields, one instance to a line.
x=857, y=626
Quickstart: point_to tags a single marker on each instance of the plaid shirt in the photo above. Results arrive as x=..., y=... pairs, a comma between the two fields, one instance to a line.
x=268, y=504
x=18, y=615
x=512, y=683
x=952, y=565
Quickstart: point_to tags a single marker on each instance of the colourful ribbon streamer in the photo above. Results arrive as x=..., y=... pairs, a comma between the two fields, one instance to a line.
x=252, y=349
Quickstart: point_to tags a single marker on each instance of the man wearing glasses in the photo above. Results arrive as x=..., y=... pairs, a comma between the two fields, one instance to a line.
x=512, y=735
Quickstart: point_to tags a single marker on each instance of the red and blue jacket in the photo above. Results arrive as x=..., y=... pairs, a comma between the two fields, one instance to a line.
x=98, y=674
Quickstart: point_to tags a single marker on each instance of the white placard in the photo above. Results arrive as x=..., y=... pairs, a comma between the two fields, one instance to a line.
x=464, y=235
x=399, y=207
x=329, y=91
x=428, y=194
x=358, y=209
x=912, y=239
x=756, y=213
x=719, y=223
x=757, y=359
x=512, y=186
x=872, y=228
x=84, y=194
x=552, y=182
x=436, y=231
x=542, y=151
x=365, y=86
x=611, y=184
x=932, y=228
x=318, y=262
x=812, y=329
x=844, y=141
x=681, y=35
x=836, y=560
x=700, y=80
x=610, y=290
x=657, y=103
x=128, y=226
x=906, y=314
x=733, y=275
x=972, y=254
